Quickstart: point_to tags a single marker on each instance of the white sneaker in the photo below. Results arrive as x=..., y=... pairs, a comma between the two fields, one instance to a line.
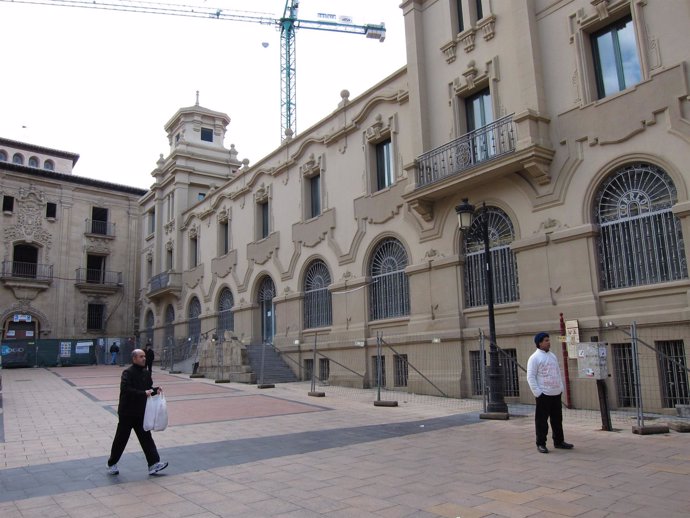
x=112, y=470
x=158, y=466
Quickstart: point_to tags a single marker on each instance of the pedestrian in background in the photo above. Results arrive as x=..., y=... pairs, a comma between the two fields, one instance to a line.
x=136, y=385
x=150, y=356
x=544, y=378
x=114, y=349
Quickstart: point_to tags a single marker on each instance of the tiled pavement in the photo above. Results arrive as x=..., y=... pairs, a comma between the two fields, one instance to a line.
x=235, y=450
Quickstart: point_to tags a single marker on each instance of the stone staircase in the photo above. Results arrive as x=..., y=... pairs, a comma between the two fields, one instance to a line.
x=276, y=370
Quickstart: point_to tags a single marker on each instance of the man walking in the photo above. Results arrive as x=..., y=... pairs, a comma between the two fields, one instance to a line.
x=135, y=386
x=150, y=356
x=544, y=378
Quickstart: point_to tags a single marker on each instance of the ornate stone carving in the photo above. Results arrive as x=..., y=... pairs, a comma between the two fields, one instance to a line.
x=449, y=50
x=376, y=131
x=28, y=227
x=487, y=26
x=424, y=208
x=467, y=39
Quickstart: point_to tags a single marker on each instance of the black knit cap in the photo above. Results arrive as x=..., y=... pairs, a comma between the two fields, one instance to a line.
x=539, y=337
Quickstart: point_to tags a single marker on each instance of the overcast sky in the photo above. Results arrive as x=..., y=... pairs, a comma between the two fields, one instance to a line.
x=103, y=84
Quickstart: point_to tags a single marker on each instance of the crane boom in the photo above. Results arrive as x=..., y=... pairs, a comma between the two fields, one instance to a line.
x=287, y=26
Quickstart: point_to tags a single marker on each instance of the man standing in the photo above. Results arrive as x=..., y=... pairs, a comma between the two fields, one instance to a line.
x=114, y=349
x=135, y=386
x=544, y=378
x=150, y=356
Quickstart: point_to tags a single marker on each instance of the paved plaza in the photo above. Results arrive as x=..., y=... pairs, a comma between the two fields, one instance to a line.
x=236, y=450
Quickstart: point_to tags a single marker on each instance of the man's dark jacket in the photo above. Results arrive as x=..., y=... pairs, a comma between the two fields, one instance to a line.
x=134, y=383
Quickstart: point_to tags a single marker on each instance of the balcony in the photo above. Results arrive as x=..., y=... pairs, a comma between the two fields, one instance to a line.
x=93, y=280
x=508, y=145
x=487, y=143
x=95, y=227
x=26, y=280
x=167, y=283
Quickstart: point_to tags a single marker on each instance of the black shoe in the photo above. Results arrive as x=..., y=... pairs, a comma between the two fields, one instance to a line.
x=563, y=446
x=542, y=448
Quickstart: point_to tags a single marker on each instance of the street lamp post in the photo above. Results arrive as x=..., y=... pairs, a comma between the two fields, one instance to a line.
x=497, y=408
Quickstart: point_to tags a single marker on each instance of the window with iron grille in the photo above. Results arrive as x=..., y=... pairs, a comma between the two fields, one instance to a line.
x=508, y=359
x=226, y=318
x=324, y=369
x=624, y=375
x=169, y=326
x=308, y=369
x=375, y=371
x=194, y=324
x=640, y=240
x=267, y=292
x=389, y=289
x=401, y=369
x=99, y=221
x=673, y=373
x=95, y=317
x=317, y=298
x=503, y=264
x=476, y=369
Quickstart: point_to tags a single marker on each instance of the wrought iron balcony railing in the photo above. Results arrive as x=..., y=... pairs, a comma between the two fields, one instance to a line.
x=165, y=280
x=478, y=146
x=97, y=276
x=23, y=270
x=102, y=228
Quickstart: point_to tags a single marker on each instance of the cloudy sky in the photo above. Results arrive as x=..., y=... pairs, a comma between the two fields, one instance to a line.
x=103, y=83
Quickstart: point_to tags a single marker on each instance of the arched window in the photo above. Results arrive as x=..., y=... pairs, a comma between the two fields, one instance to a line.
x=149, y=325
x=33, y=161
x=49, y=165
x=267, y=292
x=194, y=324
x=503, y=264
x=640, y=241
x=318, y=310
x=18, y=158
x=169, y=326
x=389, y=293
x=226, y=319
x=3, y=156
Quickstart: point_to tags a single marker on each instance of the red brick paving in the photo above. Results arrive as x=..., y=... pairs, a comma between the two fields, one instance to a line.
x=231, y=408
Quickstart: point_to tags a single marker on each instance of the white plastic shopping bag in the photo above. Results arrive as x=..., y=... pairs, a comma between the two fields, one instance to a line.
x=156, y=414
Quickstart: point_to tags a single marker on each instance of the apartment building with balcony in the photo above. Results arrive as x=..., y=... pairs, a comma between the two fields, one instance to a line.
x=69, y=262
x=566, y=120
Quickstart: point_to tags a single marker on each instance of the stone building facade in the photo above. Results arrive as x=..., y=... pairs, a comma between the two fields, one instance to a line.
x=69, y=248
x=566, y=121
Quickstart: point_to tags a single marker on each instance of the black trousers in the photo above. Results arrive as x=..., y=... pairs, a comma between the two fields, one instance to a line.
x=549, y=408
x=124, y=428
